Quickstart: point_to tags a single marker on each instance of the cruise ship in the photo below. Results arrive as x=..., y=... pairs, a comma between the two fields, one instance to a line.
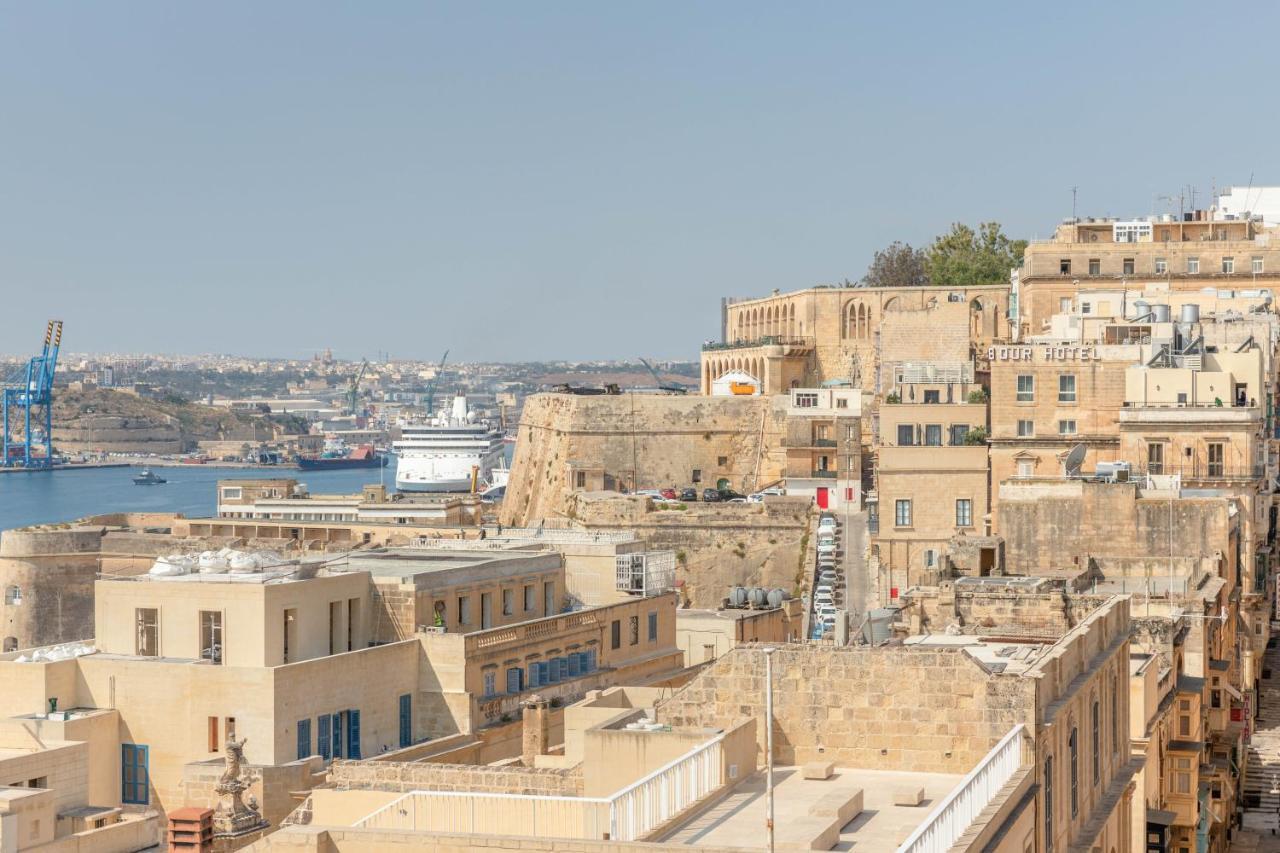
x=446, y=452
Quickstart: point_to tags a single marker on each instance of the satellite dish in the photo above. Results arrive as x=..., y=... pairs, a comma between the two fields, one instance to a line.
x=1073, y=460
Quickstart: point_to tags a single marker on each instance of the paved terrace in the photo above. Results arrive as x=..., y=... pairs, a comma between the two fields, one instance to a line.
x=739, y=819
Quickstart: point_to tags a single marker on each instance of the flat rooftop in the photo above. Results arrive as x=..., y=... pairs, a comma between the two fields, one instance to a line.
x=994, y=654
x=405, y=563
x=739, y=819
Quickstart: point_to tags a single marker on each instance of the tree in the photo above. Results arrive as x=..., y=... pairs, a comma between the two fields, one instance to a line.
x=896, y=265
x=963, y=256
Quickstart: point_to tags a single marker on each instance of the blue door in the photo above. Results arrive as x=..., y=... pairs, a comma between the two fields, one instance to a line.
x=135, y=778
x=353, y=733
x=322, y=736
x=304, y=738
x=337, y=735
x=406, y=720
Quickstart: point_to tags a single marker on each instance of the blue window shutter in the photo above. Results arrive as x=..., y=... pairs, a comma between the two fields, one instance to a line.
x=533, y=675
x=575, y=665
x=322, y=736
x=406, y=720
x=304, y=738
x=544, y=672
x=513, y=679
x=353, y=733
x=591, y=660
x=336, y=730
x=135, y=781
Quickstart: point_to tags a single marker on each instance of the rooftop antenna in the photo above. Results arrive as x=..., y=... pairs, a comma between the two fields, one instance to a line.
x=1073, y=460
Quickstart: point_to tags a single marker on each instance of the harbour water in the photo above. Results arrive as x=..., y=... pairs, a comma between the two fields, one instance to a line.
x=40, y=497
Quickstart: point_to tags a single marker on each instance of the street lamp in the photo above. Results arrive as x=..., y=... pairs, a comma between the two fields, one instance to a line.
x=768, y=739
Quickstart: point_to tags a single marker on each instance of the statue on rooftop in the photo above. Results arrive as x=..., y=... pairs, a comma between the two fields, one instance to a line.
x=232, y=816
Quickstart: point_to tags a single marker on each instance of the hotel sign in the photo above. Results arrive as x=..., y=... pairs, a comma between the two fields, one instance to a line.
x=1067, y=352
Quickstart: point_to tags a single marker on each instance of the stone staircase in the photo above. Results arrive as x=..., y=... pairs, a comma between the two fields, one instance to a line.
x=1263, y=769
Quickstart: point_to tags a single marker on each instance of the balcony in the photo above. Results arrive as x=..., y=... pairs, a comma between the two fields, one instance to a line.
x=824, y=474
x=1198, y=471
x=792, y=341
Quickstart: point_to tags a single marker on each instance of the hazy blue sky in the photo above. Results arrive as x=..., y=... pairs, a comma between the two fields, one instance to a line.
x=566, y=180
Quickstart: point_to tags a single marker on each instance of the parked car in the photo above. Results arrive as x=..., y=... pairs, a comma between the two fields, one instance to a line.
x=670, y=494
x=775, y=491
x=827, y=524
x=736, y=501
x=711, y=495
x=730, y=494
x=688, y=494
x=826, y=548
x=755, y=498
x=649, y=493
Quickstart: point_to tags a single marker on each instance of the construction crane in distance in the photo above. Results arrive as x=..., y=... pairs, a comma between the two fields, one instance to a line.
x=28, y=394
x=353, y=390
x=435, y=383
x=669, y=387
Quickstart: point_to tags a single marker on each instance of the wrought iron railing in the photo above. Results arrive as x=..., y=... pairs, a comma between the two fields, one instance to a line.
x=765, y=341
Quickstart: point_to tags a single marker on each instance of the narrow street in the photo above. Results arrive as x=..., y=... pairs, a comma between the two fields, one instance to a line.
x=1263, y=775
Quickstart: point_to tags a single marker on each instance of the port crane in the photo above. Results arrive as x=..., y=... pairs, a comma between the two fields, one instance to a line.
x=435, y=383
x=669, y=387
x=28, y=397
x=353, y=390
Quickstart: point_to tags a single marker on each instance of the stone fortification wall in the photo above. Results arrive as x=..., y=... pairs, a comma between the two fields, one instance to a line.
x=46, y=584
x=1067, y=523
x=639, y=441
x=87, y=433
x=925, y=710
x=716, y=545
x=413, y=776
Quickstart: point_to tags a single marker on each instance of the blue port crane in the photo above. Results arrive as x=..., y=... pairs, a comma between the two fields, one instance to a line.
x=28, y=397
x=434, y=384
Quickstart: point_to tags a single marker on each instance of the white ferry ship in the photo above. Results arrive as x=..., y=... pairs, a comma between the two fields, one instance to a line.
x=446, y=452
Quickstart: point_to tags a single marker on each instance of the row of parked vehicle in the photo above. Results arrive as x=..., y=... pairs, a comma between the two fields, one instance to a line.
x=708, y=495
x=828, y=589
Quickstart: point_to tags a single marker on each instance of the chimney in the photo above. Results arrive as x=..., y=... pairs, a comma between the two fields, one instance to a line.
x=536, y=724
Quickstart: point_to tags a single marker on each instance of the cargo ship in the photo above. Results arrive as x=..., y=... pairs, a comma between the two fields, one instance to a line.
x=337, y=456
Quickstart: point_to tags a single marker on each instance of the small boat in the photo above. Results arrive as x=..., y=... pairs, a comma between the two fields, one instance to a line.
x=148, y=478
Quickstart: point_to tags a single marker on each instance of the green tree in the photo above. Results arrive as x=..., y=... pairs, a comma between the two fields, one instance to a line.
x=896, y=265
x=964, y=256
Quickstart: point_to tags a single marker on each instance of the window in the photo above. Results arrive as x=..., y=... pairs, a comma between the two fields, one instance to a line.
x=490, y=682
x=1026, y=429
x=958, y=432
x=231, y=493
x=842, y=403
x=1026, y=388
x=1074, y=744
x=323, y=741
x=1155, y=458
x=635, y=630
x=515, y=679
x=1193, y=266
x=213, y=734
x=722, y=461
x=211, y=635
x=1064, y=304
x=806, y=401
x=1067, y=388
x=933, y=397
x=530, y=598
x=964, y=512
x=1095, y=746
x=1228, y=266
x=1064, y=266
x=1128, y=266
x=1216, y=467
x=147, y=621
x=1066, y=427
x=1085, y=308
x=508, y=602
x=10, y=644
x=304, y=738
x=135, y=777
x=464, y=610
x=549, y=598
x=353, y=733
x=615, y=634
x=1095, y=266
x=933, y=435
x=579, y=479
x=653, y=626
x=1162, y=266
x=1182, y=776
x=486, y=610
x=1048, y=804
x=906, y=435
x=696, y=475
x=1257, y=266
x=13, y=595
x=902, y=513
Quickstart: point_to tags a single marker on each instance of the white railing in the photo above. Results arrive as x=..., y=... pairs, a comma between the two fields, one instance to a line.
x=642, y=807
x=628, y=815
x=951, y=817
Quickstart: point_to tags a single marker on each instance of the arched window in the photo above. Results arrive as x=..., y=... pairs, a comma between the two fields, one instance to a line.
x=1048, y=804
x=10, y=644
x=13, y=595
x=1074, y=744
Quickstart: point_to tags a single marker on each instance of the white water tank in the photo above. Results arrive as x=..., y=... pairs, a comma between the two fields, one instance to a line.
x=1161, y=313
x=1190, y=314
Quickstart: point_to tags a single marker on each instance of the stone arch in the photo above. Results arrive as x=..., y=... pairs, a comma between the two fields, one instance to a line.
x=10, y=644
x=13, y=595
x=977, y=317
x=893, y=303
x=848, y=328
x=791, y=320
x=864, y=321
x=741, y=325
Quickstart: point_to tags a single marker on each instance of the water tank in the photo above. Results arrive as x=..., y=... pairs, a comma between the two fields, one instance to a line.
x=877, y=628
x=737, y=597
x=1161, y=313
x=1190, y=314
x=758, y=597
x=1141, y=308
x=777, y=596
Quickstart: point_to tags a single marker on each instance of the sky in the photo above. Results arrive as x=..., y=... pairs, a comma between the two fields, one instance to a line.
x=523, y=181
